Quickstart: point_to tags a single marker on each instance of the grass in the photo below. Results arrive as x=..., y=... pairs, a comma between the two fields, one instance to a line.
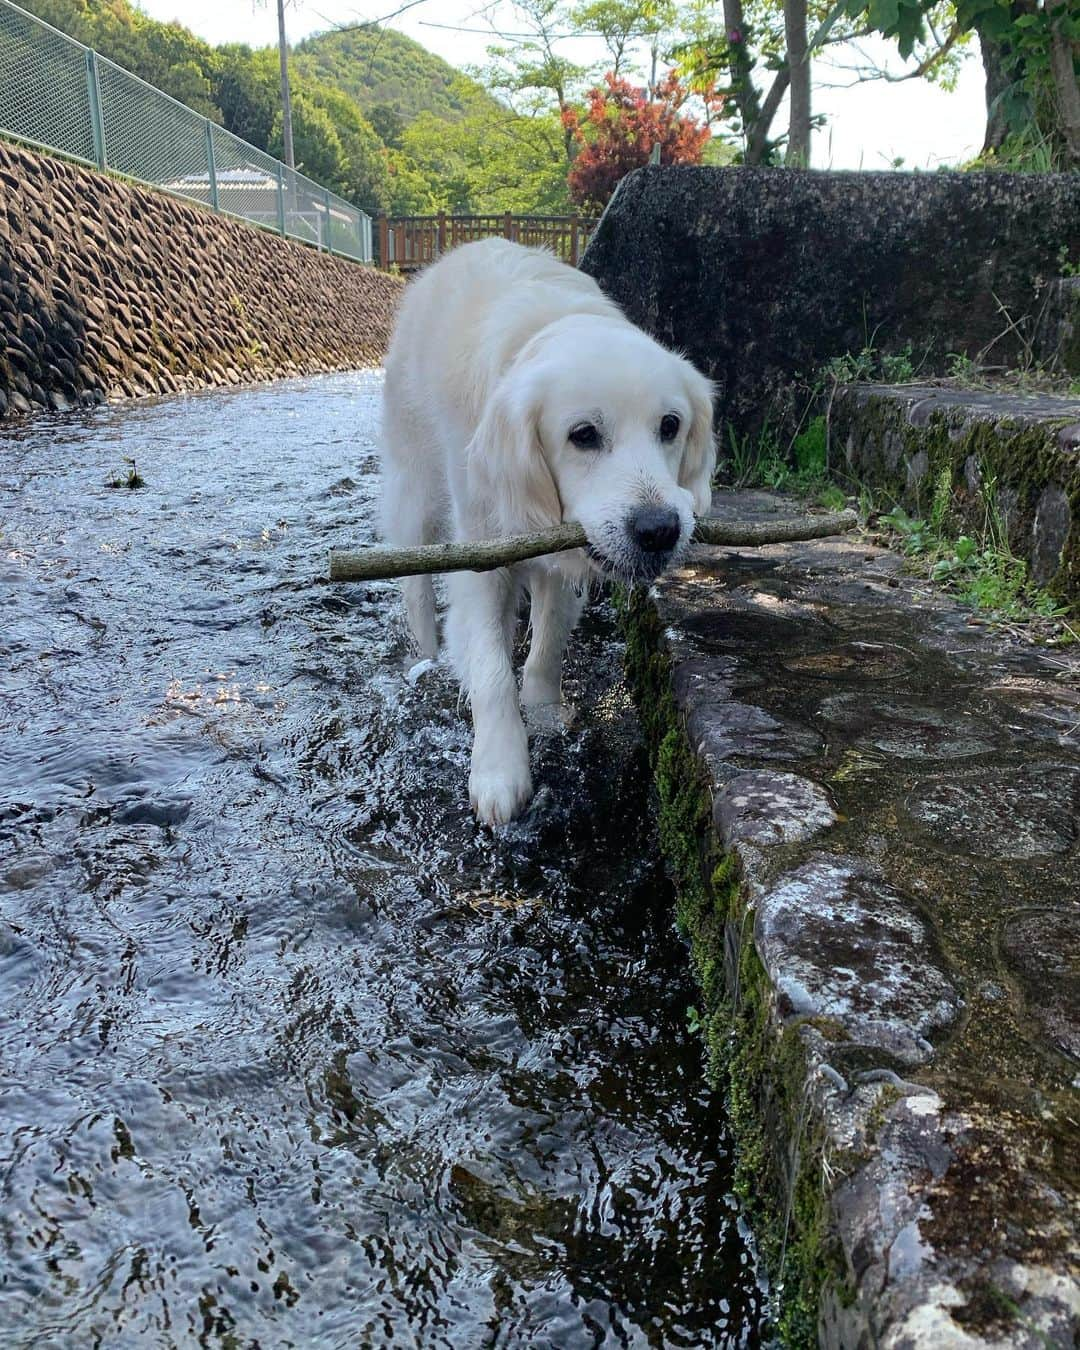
x=127, y=478
x=980, y=569
x=870, y=365
x=805, y=467
x=759, y=461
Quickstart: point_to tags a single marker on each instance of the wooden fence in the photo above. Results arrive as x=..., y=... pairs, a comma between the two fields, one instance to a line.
x=409, y=242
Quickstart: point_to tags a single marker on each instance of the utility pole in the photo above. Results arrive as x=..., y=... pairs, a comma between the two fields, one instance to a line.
x=286, y=105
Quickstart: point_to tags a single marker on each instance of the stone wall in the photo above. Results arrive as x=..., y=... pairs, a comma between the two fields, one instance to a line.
x=110, y=290
x=761, y=276
x=1015, y=456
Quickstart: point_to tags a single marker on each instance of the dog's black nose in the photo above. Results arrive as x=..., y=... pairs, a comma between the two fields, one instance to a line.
x=655, y=528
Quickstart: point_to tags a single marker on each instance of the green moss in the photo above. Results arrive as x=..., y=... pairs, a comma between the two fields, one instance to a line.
x=1022, y=458
x=780, y=1167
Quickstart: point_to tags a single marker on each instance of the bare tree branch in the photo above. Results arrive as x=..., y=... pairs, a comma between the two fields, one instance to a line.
x=377, y=564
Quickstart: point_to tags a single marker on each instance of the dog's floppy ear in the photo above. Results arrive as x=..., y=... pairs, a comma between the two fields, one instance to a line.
x=508, y=474
x=699, y=455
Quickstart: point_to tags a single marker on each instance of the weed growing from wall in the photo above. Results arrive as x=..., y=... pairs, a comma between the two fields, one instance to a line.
x=980, y=569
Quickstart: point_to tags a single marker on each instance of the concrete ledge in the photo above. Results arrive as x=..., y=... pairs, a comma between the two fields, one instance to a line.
x=904, y=438
x=872, y=812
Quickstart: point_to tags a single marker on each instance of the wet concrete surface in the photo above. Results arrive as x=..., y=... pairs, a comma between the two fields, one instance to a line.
x=292, y=1053
x=902, y=790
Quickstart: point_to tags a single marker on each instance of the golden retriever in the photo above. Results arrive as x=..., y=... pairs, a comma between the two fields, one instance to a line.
x=518, y=396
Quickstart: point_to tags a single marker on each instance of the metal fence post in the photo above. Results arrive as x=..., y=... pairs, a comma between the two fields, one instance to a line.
x=97, y=122
x=281, y=198
x=210, y=164
x=329, y=241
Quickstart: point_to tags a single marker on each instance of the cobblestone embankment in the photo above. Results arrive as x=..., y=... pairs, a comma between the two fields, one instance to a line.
x=109, y=290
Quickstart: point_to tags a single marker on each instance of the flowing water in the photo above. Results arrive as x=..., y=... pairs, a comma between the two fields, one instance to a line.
x=292, y=1053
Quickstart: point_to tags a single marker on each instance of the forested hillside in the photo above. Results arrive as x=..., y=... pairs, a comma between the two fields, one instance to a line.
x=382, y=69
x=354, y=95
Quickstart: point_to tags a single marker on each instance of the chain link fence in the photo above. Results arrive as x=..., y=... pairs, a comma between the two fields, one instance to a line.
x=64, y=97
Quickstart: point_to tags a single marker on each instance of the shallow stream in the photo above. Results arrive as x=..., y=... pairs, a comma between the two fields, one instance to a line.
x=292, y=1053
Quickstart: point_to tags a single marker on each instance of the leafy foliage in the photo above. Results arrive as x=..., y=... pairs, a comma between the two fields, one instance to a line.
x=620, y=130
x=1037, y=45
x=981, y=568
x=488, y=159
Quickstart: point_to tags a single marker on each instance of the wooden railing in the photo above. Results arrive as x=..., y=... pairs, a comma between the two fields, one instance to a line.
x=409, y=242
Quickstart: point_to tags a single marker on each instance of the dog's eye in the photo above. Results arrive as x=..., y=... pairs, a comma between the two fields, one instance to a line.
x=669, y=427
x=585, y=436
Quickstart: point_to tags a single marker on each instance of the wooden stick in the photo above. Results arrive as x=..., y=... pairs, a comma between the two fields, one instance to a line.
x=482, y=555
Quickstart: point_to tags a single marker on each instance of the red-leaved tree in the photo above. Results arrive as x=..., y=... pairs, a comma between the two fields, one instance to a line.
x=618, y=132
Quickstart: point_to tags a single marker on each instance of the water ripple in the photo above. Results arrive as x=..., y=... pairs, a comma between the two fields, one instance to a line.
x=292, y=1053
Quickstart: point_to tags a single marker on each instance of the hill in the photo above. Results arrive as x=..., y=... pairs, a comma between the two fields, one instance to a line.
x=381, y=69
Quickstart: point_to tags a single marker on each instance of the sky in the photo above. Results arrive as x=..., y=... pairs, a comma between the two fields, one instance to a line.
x=869, y=126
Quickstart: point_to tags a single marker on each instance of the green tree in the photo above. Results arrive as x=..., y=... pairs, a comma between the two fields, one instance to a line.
x=248, y=93
x=765, y=48
x=165, y=55
x=1031, y=57
x=491, y=159
x=358, y=167
x=528, y=71
x=623, y=25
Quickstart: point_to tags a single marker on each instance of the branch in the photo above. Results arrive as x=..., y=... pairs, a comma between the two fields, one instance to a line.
x=376, y=564
x=759, y=132
x=371, y=23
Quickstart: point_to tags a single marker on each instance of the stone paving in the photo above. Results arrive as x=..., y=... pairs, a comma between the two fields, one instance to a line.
x=899, y=789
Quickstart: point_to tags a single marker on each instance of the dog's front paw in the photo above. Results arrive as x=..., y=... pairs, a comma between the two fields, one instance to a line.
x=498, y=795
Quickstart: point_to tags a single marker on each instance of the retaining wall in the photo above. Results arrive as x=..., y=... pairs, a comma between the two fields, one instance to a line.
x=110, y=290
x=762, y=276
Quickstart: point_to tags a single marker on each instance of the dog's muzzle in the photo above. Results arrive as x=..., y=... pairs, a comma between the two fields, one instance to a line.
x=654, y=529
x=646, y=544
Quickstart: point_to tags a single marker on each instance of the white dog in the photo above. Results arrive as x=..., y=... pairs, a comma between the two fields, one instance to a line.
x=519, y=396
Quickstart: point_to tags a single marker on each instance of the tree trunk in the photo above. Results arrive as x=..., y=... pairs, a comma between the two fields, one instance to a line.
x=798, y=61
x=1066, y=88
x=741, y=67
x=758, y=132
x=1003, y=67
x=997, y=81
